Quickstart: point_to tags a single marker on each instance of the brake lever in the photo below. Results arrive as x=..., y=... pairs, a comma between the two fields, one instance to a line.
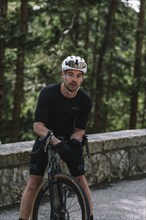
x=48, y=139
x=87, y=149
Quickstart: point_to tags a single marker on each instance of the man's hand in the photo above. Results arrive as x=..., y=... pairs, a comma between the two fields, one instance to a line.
x=75, y=145
x=64, y=150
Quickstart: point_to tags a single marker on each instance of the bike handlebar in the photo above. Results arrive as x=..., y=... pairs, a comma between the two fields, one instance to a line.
x=44, y=143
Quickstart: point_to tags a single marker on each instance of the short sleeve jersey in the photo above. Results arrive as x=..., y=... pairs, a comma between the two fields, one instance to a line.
x=61, y=114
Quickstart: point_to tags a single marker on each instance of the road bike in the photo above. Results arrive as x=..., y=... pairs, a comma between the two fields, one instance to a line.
x=60, y=197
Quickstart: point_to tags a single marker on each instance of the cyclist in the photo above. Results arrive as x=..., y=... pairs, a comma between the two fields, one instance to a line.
x=62, y=108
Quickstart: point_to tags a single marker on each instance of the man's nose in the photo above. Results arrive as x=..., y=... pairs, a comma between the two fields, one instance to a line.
x=74, y=77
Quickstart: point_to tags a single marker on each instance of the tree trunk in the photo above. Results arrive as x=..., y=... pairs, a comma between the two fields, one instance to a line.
x=87, y=28
x=3, y=15
x=108, y=92
x=98, y=112
x=19, y=83
x=137, y=67
x=143, y=119
x=95, y=58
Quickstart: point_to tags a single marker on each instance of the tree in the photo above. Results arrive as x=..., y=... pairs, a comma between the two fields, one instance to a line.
x=98, y=111
x=19, y=83
x=3, y=16
x=137, y=66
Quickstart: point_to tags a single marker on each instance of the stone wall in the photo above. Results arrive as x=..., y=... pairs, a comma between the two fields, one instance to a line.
x=114, y=156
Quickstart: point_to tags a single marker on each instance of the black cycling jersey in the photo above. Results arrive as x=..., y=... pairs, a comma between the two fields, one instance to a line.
x=61, y=114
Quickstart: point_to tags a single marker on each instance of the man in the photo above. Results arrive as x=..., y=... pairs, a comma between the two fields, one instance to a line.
x=62, y=108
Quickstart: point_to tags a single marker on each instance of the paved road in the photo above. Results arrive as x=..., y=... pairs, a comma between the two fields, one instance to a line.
x=124, y=200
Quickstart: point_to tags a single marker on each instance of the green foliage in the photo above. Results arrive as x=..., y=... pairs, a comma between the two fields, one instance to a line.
x=60, y=28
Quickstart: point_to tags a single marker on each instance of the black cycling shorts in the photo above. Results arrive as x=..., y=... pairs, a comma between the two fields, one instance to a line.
x=76, y=167
x=39, y=161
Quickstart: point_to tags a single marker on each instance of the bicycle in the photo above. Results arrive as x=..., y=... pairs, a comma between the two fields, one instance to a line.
x=60, y=197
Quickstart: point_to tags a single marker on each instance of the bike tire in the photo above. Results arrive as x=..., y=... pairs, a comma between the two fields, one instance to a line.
x=77, y=207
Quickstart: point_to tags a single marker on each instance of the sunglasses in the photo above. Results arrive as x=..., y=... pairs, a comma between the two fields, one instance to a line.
x=73, y=64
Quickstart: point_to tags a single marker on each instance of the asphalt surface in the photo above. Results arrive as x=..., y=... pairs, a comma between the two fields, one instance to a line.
x=125, y=200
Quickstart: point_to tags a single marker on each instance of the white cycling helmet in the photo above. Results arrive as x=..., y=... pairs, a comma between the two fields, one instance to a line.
x=74, y=62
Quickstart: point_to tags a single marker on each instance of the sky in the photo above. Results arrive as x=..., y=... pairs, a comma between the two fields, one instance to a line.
x=133, y=3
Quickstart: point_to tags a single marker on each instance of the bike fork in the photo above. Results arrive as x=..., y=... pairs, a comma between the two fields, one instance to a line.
x=56, y=200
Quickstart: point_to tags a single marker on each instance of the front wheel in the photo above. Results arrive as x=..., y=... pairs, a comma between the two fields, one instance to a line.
x=74, y=203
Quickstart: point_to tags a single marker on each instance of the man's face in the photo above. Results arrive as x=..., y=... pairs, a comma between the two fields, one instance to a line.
x=72, y=79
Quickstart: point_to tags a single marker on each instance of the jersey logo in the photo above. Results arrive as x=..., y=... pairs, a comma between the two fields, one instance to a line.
x=74, y=108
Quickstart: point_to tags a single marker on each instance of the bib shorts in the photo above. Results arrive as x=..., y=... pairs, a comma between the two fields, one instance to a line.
x=39, y=162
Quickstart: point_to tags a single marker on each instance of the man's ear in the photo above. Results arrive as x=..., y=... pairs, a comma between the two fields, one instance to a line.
x=62, y=75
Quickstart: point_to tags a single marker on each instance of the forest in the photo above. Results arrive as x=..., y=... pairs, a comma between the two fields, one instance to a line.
x=35, y=36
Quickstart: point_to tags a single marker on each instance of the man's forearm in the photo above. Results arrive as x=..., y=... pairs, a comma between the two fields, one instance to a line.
x=40, y=129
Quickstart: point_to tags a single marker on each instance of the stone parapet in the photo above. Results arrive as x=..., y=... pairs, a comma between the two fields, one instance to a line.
x=114, y=156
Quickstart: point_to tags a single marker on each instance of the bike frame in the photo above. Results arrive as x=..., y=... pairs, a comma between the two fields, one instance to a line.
x=58, y=189
x=54, y=168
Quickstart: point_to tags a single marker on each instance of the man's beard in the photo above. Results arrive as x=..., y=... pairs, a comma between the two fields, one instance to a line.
x=71, y=90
